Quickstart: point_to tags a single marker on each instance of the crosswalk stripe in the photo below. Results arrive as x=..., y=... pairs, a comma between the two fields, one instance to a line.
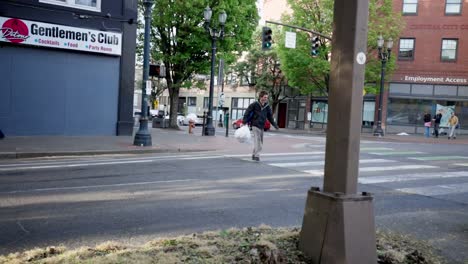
x=374, y=169
x=461, y=164
x=390, y=153
x=434, y=158
x=279, y=154
x=316, y=163
x=437, y=189
x=412, y=177
x=374, y=148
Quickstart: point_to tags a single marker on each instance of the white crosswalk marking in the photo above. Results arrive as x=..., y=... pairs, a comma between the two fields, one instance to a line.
x=437, y=189
x=380, y=168
x=316, y=163
x=412, y=177
x=436, y=158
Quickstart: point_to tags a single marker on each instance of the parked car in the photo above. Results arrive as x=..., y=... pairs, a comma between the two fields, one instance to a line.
x=180, y=118
x=236, y=124
x=197, y=119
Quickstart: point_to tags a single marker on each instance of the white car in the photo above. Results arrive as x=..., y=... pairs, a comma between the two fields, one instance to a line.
x=198, y=120
x=180, y=118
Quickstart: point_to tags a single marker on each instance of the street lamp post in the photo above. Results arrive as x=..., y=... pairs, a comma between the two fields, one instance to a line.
x=143, y=137
x=384, y=56
x=214, y=34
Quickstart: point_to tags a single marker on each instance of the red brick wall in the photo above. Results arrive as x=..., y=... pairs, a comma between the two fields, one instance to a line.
x=428, y=28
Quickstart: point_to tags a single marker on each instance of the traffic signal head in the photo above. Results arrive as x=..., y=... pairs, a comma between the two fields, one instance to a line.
x=266, y=38
x=315, y=46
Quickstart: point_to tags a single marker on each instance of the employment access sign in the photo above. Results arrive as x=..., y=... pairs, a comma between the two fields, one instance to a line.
x=25, y=32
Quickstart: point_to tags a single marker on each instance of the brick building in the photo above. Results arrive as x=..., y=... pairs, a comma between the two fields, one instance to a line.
x=432, y=72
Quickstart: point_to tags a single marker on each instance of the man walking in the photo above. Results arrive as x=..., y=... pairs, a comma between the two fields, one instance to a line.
x=437, y=119
x=453, y=122
x=257, y=113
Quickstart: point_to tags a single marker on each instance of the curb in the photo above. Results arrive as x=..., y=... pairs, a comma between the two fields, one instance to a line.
x=23, y=155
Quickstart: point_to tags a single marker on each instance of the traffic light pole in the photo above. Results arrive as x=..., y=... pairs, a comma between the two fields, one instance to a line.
x=300, y=28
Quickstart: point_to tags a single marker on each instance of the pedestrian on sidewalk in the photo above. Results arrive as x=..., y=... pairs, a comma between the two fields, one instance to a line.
x=257, y=113
x=427, y=124
x=437, y=119
x=453, y=122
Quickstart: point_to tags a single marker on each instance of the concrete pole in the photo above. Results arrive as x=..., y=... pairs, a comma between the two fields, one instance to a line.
x=338, y=224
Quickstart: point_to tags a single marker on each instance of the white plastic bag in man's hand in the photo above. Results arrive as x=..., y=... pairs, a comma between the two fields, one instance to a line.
x=243, y=134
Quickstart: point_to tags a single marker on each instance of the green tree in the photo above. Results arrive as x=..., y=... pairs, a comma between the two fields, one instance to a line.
x=311, y=73
x=262, y=69
x=179, y=39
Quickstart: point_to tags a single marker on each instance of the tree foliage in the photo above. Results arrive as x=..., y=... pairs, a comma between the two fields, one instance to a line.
x=180, y=41
x=311, y=74
x=262, y=69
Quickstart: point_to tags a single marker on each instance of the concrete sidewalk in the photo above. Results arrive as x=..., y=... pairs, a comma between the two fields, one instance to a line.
x=164, y=140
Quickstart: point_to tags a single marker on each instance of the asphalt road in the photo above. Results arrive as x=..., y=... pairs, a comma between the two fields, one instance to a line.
x=419, y=189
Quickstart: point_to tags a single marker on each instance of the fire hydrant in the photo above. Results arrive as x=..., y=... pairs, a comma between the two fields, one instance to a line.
x=191, y=126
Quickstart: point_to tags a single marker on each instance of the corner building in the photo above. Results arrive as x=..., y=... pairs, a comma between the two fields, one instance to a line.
x=432, y=65
x=67, y=67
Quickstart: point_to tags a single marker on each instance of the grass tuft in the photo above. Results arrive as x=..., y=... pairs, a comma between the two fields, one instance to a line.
x=262, y=245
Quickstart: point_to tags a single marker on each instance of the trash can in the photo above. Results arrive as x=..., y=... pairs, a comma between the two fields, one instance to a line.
x=160, y=122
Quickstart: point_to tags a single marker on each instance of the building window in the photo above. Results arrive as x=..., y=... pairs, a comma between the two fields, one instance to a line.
x=205, y=102
x=449, y=49
x=410, y=7
x=453, y=7
x=192, y=101
x=239, y=105
x=406, y=49
x=92, y=5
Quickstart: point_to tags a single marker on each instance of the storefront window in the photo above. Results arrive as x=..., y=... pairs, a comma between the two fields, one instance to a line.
x=407, y=111
x=410, y=111
x=319, y=112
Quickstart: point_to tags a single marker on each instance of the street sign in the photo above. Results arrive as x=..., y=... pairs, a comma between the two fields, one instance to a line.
x=148, y=87
x=290, y=40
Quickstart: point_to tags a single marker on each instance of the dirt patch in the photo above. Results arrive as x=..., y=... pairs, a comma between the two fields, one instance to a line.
x=263, y=245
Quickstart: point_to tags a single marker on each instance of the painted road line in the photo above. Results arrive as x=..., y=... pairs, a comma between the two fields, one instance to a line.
x=292, y=158
x=316, y=163
x=435, y=158
x=437, y=189
x=390, y=153
x=461, y=164
x=97, y=186
x=375, y=148
x=278, y=154
x=400, y=167
x=412, y=177
x=374, y=169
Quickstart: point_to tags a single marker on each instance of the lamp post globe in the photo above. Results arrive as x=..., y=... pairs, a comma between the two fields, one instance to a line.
x=214, y=33
x=143, y=136
x=384, y=56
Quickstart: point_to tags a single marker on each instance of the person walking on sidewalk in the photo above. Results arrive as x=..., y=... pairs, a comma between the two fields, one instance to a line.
x=257, y=113
x=427, y=124
x=437, y=119
x=453, y=122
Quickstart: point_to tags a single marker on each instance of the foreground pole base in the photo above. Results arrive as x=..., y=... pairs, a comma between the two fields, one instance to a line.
x=338, y=228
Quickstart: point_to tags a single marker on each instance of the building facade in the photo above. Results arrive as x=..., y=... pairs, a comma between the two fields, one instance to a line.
x=67, y=67
x=432, y=64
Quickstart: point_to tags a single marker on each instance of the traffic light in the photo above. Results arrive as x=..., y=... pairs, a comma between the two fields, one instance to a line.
x=315, y=46
x=266, y=38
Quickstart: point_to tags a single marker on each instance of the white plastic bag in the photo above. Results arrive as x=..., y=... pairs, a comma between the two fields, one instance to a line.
x=243, y=134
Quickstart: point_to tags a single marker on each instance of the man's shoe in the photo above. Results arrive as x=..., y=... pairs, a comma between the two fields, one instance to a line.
x=256, y=158
x=449, y=138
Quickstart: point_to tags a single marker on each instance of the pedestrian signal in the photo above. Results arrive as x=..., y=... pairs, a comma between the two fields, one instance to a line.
x=266, y=38
x=315, y=46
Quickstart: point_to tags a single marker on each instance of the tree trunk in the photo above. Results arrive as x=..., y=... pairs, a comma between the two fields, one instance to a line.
x=174, y=107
